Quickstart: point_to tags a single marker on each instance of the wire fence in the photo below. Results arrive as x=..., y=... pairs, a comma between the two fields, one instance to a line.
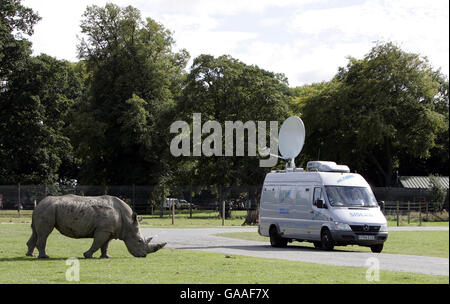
x=400, y=204
x=414, y=212
x=142, y=199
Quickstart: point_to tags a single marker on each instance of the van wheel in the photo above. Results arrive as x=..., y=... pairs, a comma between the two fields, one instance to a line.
x=275, y=239
x=327, y=240
x=317, y=245
x=376, y=248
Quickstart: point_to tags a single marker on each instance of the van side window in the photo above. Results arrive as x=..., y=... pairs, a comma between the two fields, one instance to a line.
x=303, y=197
x=317, y=194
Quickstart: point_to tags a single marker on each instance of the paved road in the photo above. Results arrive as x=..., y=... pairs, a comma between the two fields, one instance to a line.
x=203, y=239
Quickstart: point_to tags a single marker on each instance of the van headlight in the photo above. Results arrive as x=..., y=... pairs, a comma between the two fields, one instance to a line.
x=383, y=228
x=342, y=226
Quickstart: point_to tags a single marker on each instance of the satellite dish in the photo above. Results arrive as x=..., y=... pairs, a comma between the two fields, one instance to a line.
x=291, y=138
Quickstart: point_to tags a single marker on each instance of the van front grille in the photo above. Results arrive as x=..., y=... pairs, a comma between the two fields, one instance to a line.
x=365, y=228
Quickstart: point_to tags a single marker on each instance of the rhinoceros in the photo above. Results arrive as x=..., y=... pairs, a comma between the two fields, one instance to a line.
x=100, y=217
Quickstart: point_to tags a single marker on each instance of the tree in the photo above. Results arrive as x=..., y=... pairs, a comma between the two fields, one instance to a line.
x=15, y=22
x=225, y=89
x=34, y=110
x=35, y=95
x=120, y=127
x=378, y=111
x=437, y=193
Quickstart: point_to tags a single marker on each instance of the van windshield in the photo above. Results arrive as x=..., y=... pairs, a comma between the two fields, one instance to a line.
x=345, y=196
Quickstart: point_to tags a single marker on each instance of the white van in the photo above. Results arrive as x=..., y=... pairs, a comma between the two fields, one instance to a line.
x=171, y=201
x=326, y=205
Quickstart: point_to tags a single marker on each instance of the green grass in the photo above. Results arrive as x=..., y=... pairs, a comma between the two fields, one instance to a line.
x=423, y=243
x=169, y=266
x=200, y=219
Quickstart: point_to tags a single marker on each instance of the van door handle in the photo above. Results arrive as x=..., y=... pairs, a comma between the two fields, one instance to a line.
x=311, y=211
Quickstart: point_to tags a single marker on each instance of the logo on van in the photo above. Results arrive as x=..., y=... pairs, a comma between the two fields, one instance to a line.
x=344, y=178
x=360, y=214
x=286, y=194
x=284, y=211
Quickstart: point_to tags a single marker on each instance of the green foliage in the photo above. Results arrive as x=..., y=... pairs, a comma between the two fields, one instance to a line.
x=377, y=113
x=34, y=109
x=133, y=77
x=226, y=89
x=437, y=193
x=15, y=21
x=105, y=119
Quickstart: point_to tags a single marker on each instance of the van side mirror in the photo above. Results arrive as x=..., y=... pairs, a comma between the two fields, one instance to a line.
x=381, y=204
x=319, y=203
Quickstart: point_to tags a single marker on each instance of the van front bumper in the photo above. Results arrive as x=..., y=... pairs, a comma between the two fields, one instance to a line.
x=358, y=238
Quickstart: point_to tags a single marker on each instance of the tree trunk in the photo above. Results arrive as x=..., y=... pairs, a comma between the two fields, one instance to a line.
x=252, y=217
x=388, y=175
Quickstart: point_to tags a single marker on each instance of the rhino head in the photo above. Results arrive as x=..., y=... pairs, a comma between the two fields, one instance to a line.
x=136, y=244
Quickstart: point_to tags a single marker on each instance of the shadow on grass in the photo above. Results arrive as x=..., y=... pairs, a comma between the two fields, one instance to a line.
x=30, y=259
x=35, y=259
x=266, y=248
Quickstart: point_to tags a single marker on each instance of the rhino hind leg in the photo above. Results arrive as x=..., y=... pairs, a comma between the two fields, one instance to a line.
x=100, y=239
x=41, y=242
x=32, y=242
x=41, y=230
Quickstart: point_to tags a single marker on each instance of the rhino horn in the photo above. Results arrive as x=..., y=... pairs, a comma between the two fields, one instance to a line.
x=155, y=247
x=147, y=241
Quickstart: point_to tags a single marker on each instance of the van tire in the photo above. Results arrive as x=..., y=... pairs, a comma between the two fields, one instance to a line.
x=276, y=240
x=327, y=240
x=376, y=248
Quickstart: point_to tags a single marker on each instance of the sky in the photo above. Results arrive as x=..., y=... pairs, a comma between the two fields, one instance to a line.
x=307, y=40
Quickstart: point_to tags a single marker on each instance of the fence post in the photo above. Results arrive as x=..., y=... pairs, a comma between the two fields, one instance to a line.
x=222, y=202
x=409, y=213
x=426, y=209
x=18, y=203
x=190, y=201
x=398, y=224
x=163, y=199
x=173, y=211
x=420, y=213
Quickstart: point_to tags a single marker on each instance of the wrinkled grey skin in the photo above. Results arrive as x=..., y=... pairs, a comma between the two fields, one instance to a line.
x=100, y=217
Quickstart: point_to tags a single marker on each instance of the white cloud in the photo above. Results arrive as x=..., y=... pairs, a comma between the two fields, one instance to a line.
x=418, y=26
x=306, y=40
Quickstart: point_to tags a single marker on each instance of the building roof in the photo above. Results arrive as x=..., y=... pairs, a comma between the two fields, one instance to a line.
x=421, y=182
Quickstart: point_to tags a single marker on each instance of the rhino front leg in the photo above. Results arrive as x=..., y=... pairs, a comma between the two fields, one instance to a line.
x=104, y=250
x=100, y=238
